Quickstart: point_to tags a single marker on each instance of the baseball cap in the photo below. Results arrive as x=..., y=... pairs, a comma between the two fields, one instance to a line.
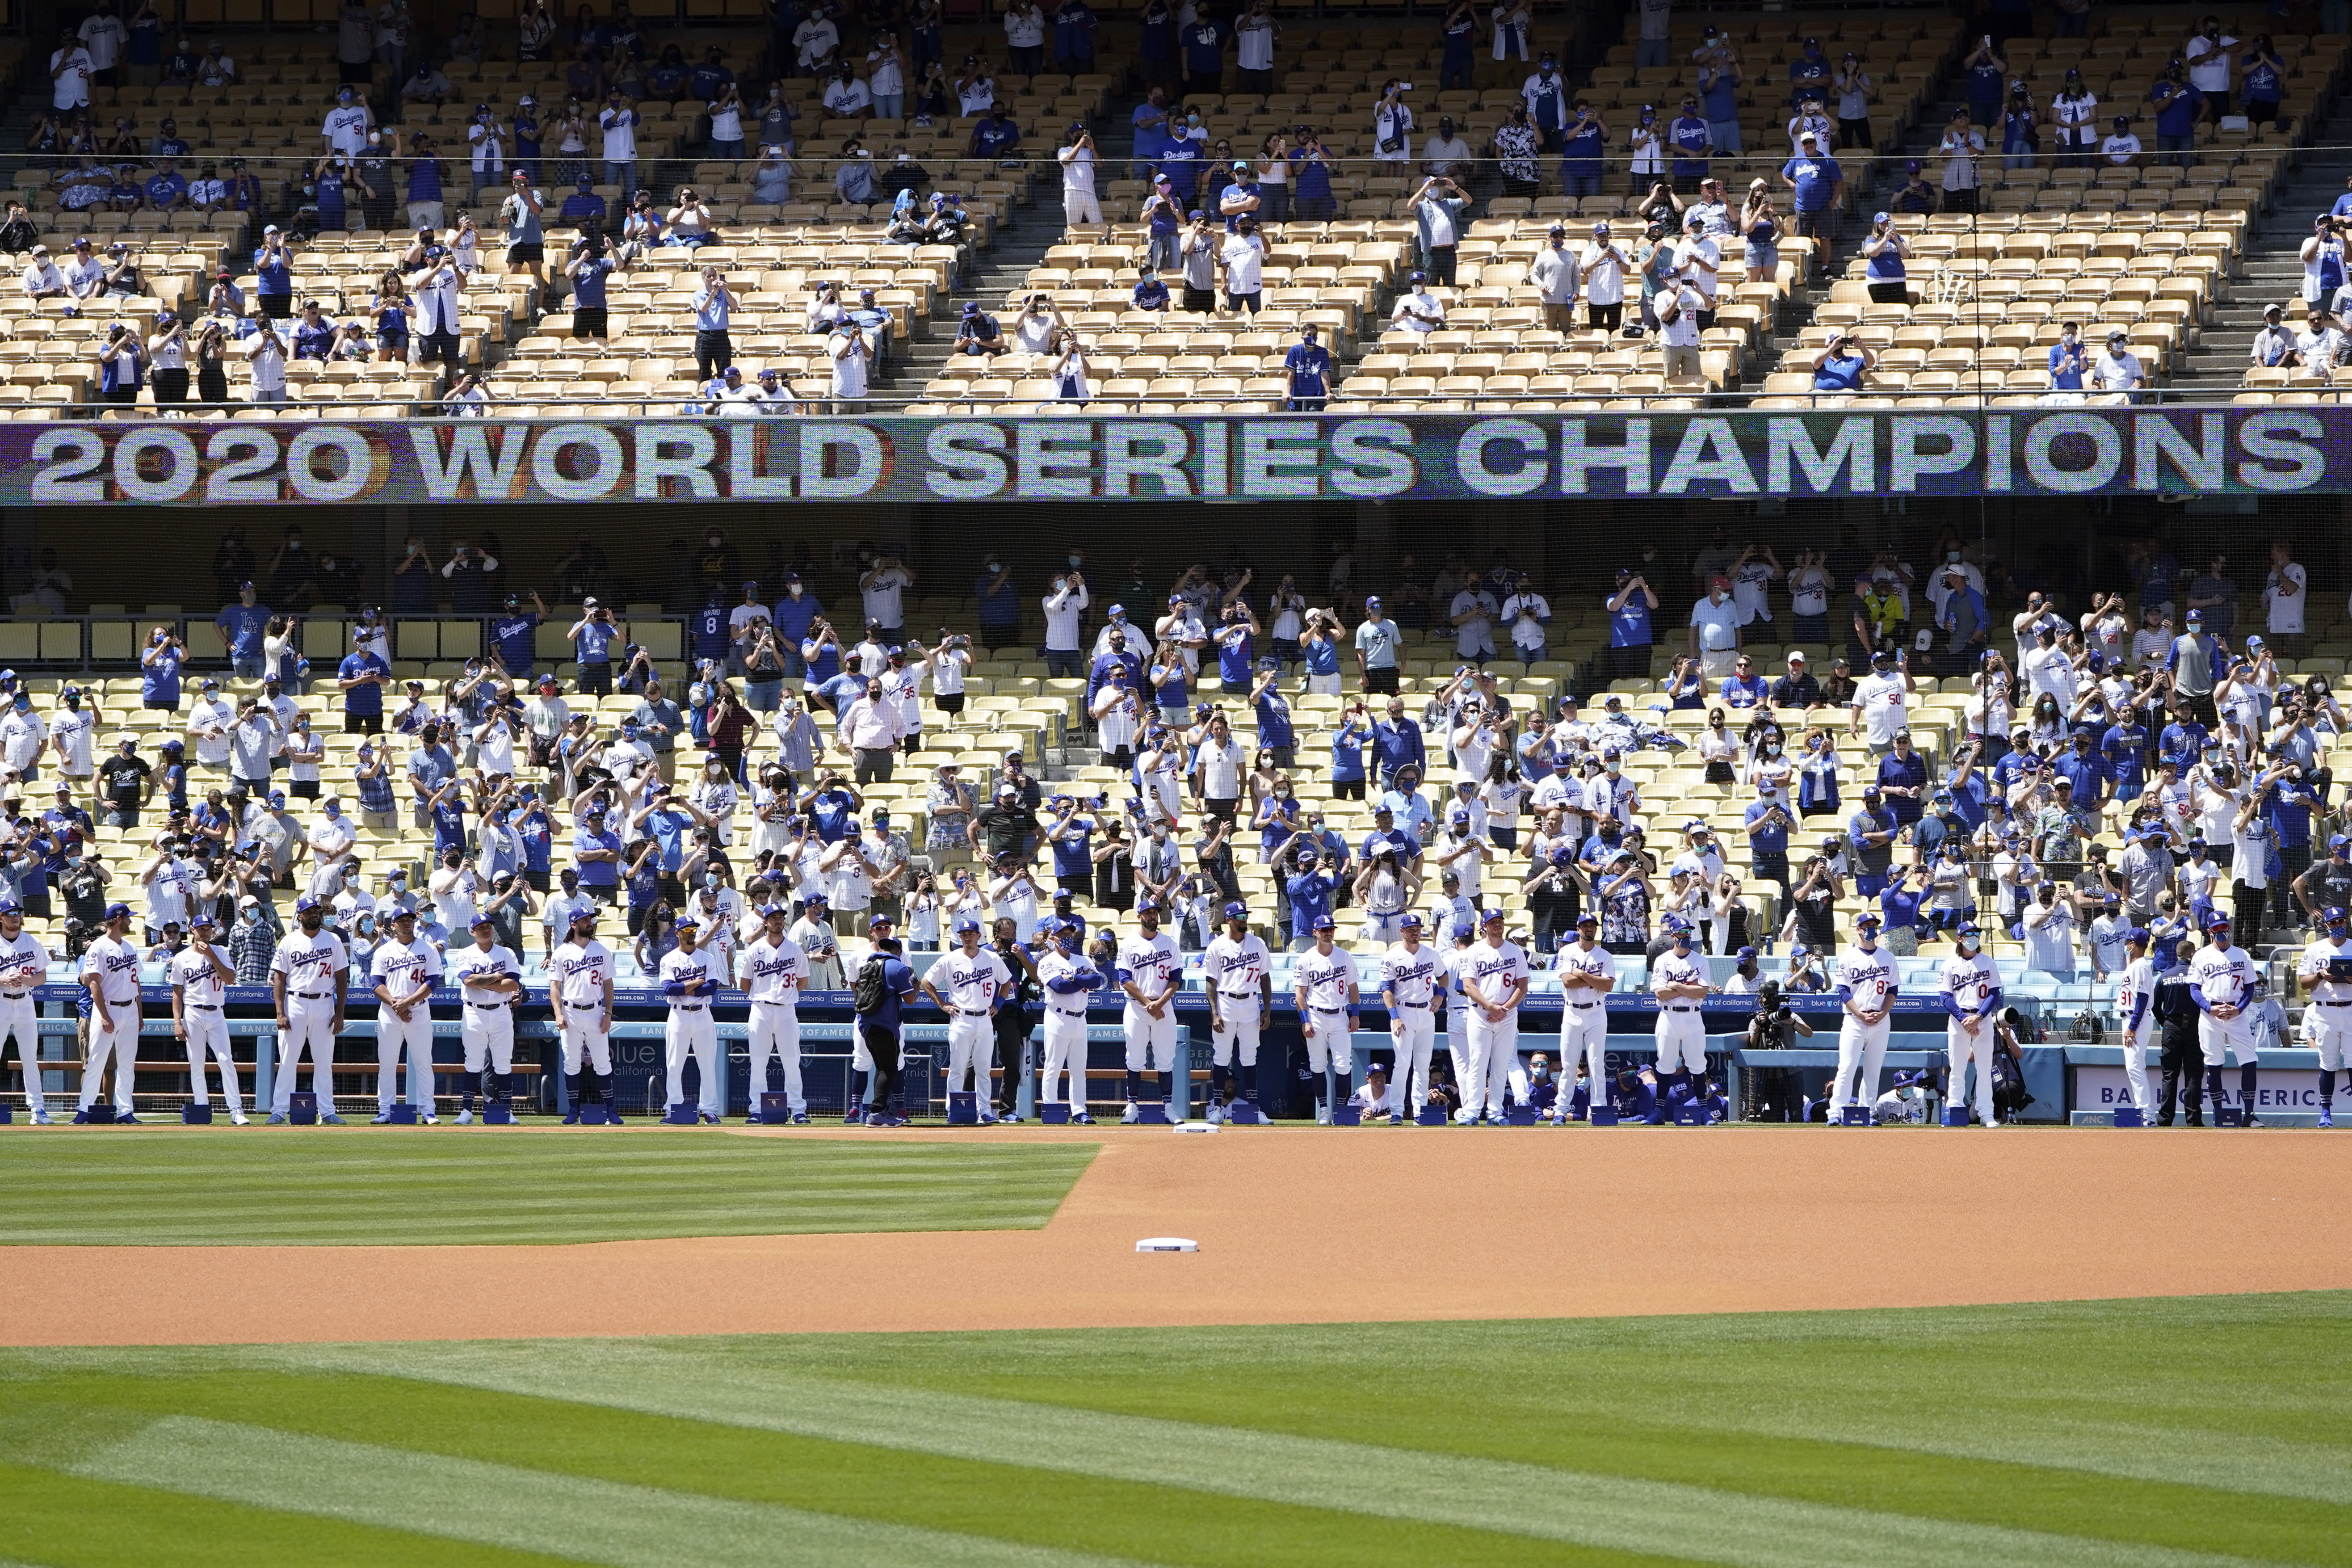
x=1411, y=921
x=876, y=922
x=1866, y=919
x=1324, y=922
x=1491, y=913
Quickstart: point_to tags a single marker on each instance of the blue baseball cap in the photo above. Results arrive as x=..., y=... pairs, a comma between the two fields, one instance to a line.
x=1490, y=913
x=2217, y=920
x=1969, y=928
x=966, y=923
x=2137, y=935
x=2332, y=914
x=302, y=905
x=118, y=912
x=1867, y=919
x=1146, y=905
x=1237, y=910
x=1324, y=922
x=1411, y=921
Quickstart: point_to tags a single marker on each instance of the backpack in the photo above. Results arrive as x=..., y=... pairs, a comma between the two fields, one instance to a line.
x=867, y=992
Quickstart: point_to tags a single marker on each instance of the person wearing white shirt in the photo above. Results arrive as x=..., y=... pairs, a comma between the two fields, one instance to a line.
x=689, y=982
x=1714, y=630
x=1971, y=994
x=1217, y=764
x=488, y=978
x=1526, y=613
x=404, y=969
x=1063, y=608
x=2319, y=345
x=1417, y=310
x=70, y=73
x=199, y=975
x=2224, y=976
x=1149, y=971
x=2324, y=972
x=1700, y=259
x=1678, y=312
x=815, y=40
x=970, y=985
x=1866, y=988
x=1472, y=613
x=2117, y=371
x=109, y=973
x=1605, y=265
x=2120, y=147
x=1679, y=978
x=307, y=975
x=1494, y=978
x=847, y=98
x=1329, y=994
x=1238, y=971
x=2284, y=593
x=883, y=590
x=774, y=971
x=580, y=983
x=872, y=727
x=1242, y=263
x=2211, y=66
x=347, y=125
x=1078, y=159
x=25, y=964
x=24, y=737
x=1587, y=972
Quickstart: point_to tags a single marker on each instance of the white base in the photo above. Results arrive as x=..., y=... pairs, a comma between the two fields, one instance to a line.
x=1167, y=1244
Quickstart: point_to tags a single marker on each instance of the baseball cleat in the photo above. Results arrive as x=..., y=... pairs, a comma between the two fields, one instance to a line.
x=572, y=1116
x=2327, y=1116
x=1130, y=1117
x=44, y=1119
x=856, y=1114
x=1082, y=1120
x=464, y=1118
x=126, y=1120
x=707, y=1119
x=800, y=1119
x=277, y=1118
x=432, y=1121
x=235, y=1119
x=332, y=1120
x=81, y=1118
x=382, y=1120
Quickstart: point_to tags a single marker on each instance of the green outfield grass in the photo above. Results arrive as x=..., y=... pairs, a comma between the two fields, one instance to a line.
x=301, y=1186
x=2186, y=1432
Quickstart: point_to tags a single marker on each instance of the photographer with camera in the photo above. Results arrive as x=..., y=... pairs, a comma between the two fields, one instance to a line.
x=592, y=637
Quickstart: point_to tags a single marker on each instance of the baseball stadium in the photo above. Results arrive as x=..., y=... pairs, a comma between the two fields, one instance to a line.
x=765, y=776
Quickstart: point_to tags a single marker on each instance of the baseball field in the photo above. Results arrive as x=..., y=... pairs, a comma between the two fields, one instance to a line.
x=1774, y=1347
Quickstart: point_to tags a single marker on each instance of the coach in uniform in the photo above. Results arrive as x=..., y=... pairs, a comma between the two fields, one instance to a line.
x=2325, y=972
x=1238, y=974
x=307, y=975
x=24, y=965
x=2134, y=1009
x=1587, y=973
x=1409, y=989
x=2223, y=976
x=1866, y=990
x=489, y=980
x=109, y=972
x=405, y=970
x=1679, y=978
x=1068, y=979
x=1149, y=971
x=580, y=987
x=774, y=970
x=1972, y=995
x=976, y=981
x=689, y=979
x=199, y=977
x=1328, y=998
x=1494, y=976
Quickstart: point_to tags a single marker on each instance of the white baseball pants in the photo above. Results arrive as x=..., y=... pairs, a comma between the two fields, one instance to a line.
x=1080, y=206
x=1414, y=1030
x=1238, y=1024
x=2329, y=1031
x=1862, y=1050
x=2136, y=1042
x=1065, y=1047
x=691, y=1033
x=18, y=1019
x=1682, y=1040
x=1151, y=1042
x=776, y=1032
x=2220, y=1037
x=309, y=1027
x=207, y=1042
x=1585, y=1027
x=579, y=1033
x=972, y=1048
x=1962, y=1048
x=1329, y=1041
x=487, y=1035
x=1457, y=1048
x=1493, y=1052
x=416, y=1038
x=119, y=1045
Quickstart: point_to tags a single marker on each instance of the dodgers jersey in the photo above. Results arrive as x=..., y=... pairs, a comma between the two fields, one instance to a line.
x=1492, y=970
x=401, y=970
x=1600, y=964
x=1671, y=968
x=471, y=966
x=581, y=973
x=1970, y=981
x=199, y=982
x=702, y=964
x=1234, y=968
x=24, y=964
x=1059, y=965
x=1151, y=962
x=1866, y=978
x=2225, y=976
x=308, y=962
x=1325, y=979
x=116, y=963
x=2317, y=961
x=1413, y=978
x=972, y=983
x=2136, y=995
x=774, y=972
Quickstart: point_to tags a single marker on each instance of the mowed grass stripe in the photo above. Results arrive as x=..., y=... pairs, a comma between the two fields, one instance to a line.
x=1614, y=1512
x=566, y=1516
x=55, y=1520
x=550, y=1187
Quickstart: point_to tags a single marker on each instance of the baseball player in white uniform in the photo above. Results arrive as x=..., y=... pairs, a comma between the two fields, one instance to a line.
x=490, y=982
x=2223, y=978
x=1239, y=974
x=1329, y=999
x=1972, y=995
x=405, y=970
x=579, y=983
x=1457, y=1007
x=1867, y=989
x=109, y=972
x=24, y=965
x=1067, y=979
x=200, y=977
x=690, y=978
x=1587, y=973
x=1496, y=976
x=969, y=985
x=1149, y=971
x=2135, y=1005
x=307, y=977
x=1679, y=979
x=2325, y=969
x=774, y=970
x=1410, y=983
